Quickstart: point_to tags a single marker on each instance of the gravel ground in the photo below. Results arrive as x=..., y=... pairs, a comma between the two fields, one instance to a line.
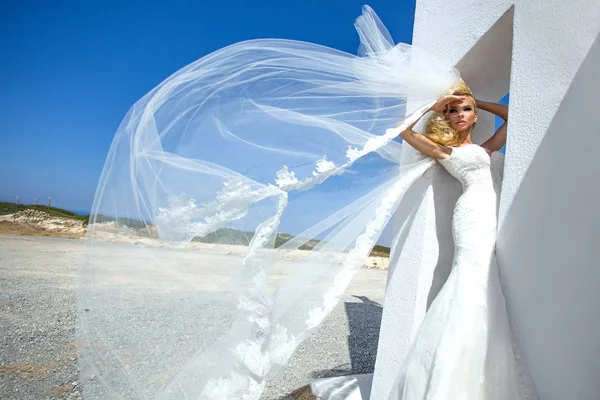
x=38, y=358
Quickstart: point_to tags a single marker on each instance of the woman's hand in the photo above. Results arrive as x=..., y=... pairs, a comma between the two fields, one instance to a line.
x=442, y=103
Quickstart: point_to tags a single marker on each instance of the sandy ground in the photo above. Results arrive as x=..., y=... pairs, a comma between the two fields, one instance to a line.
x=38, y=359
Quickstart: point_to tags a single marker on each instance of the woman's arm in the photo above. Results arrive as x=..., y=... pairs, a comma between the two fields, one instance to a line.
x=500, y=110
x=421, y=142
x=498, y=139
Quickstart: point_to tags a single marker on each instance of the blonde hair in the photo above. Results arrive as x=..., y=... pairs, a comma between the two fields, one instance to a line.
x=438, y=127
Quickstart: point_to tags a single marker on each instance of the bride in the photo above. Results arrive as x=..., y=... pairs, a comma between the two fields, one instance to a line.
x=232, y=169
x=463, y=348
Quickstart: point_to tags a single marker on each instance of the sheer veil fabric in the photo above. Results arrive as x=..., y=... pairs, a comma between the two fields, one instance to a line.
x=231, y=154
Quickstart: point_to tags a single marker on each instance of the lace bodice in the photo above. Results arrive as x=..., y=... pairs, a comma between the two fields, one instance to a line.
x=475, y=216
x=469, y=164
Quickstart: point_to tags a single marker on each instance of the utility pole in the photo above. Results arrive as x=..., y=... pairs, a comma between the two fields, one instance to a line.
x=16, y=208
x=49, y=201
x=35, y=200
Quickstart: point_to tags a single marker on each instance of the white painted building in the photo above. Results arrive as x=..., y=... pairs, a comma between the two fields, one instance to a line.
x=546, y=53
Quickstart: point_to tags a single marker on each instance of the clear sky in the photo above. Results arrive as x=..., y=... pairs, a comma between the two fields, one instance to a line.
x=70, y=70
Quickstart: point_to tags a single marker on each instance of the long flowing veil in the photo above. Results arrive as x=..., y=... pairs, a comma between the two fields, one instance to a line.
x=241, y=195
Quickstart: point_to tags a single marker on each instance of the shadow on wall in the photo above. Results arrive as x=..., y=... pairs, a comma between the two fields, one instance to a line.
x=364, y=320
x=548, y=248
x=402, y=223
x=446, y=190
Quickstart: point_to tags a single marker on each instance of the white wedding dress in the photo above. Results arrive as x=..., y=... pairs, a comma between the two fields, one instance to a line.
x=463, y=348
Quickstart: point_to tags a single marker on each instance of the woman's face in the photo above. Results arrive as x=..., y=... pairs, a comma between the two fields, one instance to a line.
x=461, y=115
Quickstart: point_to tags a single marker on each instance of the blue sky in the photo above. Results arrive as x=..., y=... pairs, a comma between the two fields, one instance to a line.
x=72, y=69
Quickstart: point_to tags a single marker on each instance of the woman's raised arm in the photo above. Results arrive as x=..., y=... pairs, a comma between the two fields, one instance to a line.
x=498, y=139
x=421, y=142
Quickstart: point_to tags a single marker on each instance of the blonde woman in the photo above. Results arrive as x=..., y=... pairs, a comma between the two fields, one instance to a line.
x=463, y=348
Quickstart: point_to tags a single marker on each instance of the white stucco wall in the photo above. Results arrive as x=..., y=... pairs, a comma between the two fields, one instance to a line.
x=549, y=239
x=456, y=33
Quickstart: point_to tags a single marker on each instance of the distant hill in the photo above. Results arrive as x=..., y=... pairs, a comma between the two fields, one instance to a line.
x=128, y=222
x=10, y=208
x=220, y=236
x=380, y=251
x=243, y=238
